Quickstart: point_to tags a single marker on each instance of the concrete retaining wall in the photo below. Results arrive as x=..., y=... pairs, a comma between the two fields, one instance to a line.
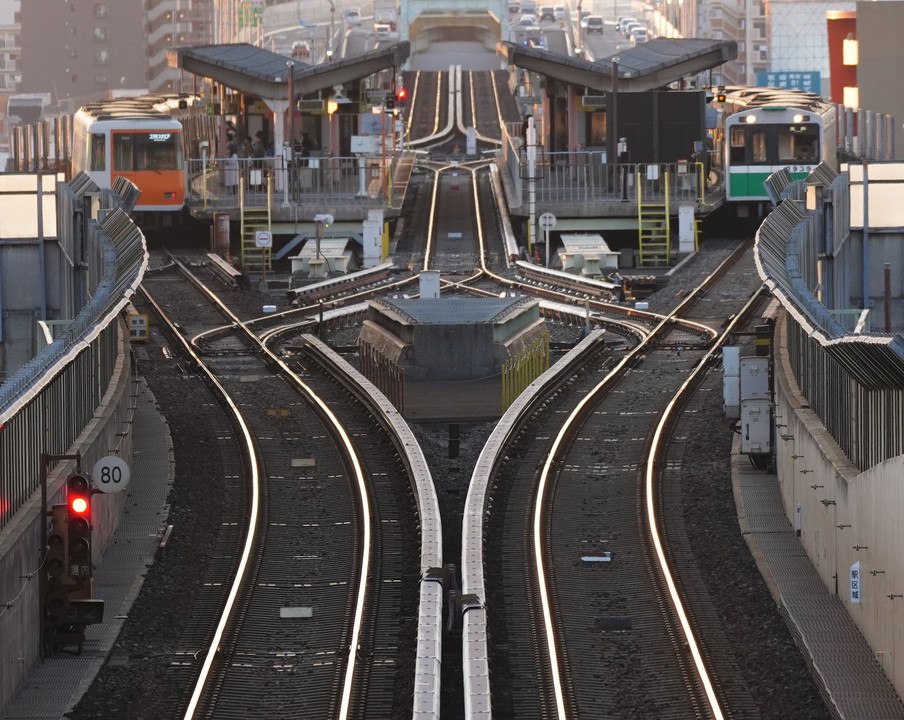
x=844, y=517
x=108, y=433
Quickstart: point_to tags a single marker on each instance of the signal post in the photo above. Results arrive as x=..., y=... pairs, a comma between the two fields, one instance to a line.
x=66, y=566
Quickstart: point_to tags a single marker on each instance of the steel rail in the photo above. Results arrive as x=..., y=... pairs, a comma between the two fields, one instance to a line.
x=650, y=495
x=548, y=470
x=361, y=484
x=480, y=136
x=254, y=466
x=440, y=135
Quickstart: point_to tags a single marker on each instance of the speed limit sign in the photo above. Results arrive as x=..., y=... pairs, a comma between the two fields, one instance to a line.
x=110, y=474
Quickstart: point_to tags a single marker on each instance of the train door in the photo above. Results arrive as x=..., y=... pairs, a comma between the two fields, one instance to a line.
x=748, y=161
x=89, y=152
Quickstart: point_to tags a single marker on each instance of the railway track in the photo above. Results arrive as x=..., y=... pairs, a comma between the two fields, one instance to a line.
x=322, y=617
x=444, y=106
x=567, y=524
x=563, y=682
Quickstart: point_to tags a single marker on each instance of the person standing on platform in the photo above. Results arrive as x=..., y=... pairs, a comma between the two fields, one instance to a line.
x=305, y=147
x=258, y=149
x=231, y=169
x=524, y=127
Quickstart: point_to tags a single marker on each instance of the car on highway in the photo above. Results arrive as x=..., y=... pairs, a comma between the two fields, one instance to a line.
x=631, y=27
x=514, y=7
x=582, y=17
x=383, y=30
x=594, y=24
x=534, y=37
x=639, y=36
x=352, y=17
x=526, y=21
x=624, y=22
x=561, y=12
x=547, y=13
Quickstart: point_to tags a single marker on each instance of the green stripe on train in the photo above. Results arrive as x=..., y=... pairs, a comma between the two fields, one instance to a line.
x=751, y=185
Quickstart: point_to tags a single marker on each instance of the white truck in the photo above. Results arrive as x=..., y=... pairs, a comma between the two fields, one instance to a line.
x=386, y=13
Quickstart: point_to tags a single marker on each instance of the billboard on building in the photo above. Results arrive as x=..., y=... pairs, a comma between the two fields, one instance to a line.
x=808, y=81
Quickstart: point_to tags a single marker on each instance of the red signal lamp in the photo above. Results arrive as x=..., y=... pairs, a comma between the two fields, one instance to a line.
x=78, y=505
x=402, y=94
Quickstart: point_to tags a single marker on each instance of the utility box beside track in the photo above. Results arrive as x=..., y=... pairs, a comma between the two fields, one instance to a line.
x=746, y=396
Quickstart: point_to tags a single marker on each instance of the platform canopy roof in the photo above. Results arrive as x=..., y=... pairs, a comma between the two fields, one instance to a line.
x=647, y=66
x=262, y=73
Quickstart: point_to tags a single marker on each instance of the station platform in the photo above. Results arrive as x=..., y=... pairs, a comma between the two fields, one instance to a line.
x=56, y=685
x=848, y=676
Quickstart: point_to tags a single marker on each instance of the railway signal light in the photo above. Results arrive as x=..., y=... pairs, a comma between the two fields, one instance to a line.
x=78, y=527
x=55, y=561
x=401, y=96
x=389, y=103
x=56, y=565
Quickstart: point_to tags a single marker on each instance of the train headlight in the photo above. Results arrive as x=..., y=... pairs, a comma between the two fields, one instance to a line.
x=750, y=119
x=801, y=118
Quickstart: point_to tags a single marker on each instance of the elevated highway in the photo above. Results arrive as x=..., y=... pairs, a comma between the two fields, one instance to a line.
x=423, y=20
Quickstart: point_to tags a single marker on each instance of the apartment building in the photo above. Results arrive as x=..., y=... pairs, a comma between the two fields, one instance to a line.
x=10, y=46
x=784, y=37
x=172, y=24
x=745, y=22
x=81, y=50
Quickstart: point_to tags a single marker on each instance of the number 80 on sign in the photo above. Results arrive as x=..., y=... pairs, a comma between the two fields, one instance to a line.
x=110, y=474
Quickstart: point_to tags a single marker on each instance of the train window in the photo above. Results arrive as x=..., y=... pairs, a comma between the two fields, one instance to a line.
x=738, y=145
x=758, y=146
x=146, y=151
x=97, y=152
x=798, y=143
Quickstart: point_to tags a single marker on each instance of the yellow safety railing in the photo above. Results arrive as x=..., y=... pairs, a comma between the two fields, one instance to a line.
x=523, y=368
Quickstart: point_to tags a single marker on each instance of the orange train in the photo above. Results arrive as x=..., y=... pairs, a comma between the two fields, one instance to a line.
x=142, y=139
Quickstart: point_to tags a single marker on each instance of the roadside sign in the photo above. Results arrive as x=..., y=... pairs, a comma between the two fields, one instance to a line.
x=547, y=222
x=263, y=239
x=138, y=328
x=110, y=474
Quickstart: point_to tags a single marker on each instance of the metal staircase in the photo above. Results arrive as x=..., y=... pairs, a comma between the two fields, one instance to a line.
x=253, y=220
x=653, y=228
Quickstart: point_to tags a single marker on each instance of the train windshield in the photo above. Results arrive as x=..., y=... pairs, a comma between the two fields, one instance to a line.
x=798, y=143
x=757, y=144
x=147, y=151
